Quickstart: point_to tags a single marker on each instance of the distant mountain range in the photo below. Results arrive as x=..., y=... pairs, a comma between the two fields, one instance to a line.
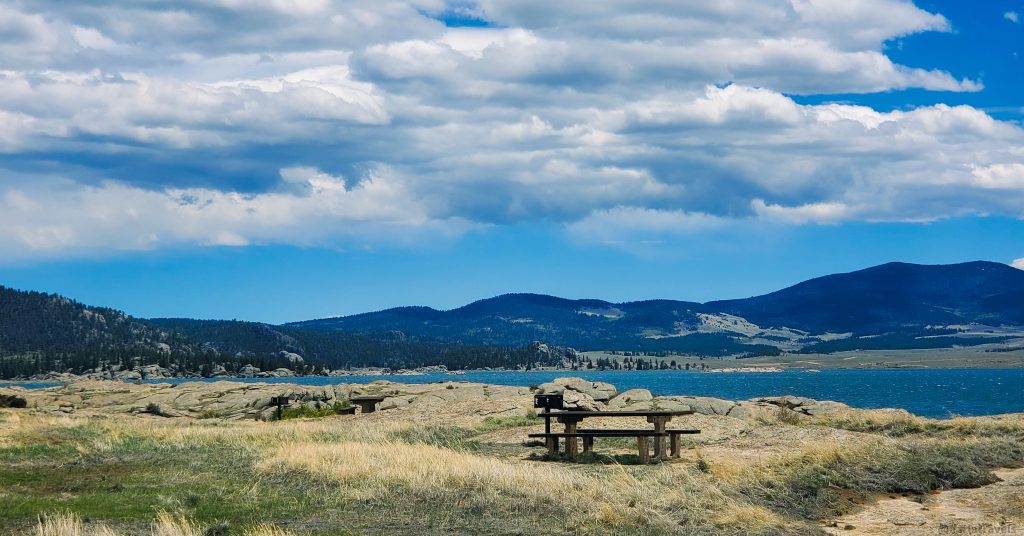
x=898, y=305
x=892, y=306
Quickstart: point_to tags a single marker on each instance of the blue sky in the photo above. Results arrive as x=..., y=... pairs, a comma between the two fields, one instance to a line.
x=294, y=159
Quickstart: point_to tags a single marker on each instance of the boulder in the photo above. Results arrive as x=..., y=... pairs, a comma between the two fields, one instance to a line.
x=393, y=402
x=248, y=371
x=802, y=405
x=630, y=397
x=580, y=401
x=599, y=391
x=292, y=357
x=706, y=405
x=277, y=373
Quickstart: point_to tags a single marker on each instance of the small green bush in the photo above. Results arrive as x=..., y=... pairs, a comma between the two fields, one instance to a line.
x=306, y=411
x=154, y=409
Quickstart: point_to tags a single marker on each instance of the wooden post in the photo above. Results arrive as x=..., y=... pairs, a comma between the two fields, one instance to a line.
x=552, y=444
x=673, y=440
x=642, y=449
x=588, y=444
x=659, y=442
x=571, y=443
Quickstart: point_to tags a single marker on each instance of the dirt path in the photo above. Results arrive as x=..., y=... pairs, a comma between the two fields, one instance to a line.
x=996, y=509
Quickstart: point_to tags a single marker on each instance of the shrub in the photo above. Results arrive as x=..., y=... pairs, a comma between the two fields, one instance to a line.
x=154, y=409
x=11, y=401
x=305, y=411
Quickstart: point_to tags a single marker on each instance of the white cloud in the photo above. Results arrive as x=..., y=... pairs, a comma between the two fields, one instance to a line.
x=999, y=176
x=809, y=212
x=129, y=125
x=1018, y=264
x=57, y=218
x=625, y=225
x=1012, y=16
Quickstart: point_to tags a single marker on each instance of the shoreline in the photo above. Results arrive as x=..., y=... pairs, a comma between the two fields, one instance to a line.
x=61, y=378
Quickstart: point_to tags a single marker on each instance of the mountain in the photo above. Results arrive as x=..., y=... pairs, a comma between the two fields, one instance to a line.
x=42, y=333
x=518, y=319
x=890, y=297
x=900, y=305
x=892, y=306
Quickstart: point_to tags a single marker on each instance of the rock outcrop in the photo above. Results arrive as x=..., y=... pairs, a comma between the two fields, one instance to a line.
x=238, y=400
x=631, y=396
x=764, y=408
x=597, y=391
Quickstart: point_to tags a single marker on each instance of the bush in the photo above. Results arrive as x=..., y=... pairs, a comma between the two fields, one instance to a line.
x=304, y=411
x=154, y=409
x=11, y=401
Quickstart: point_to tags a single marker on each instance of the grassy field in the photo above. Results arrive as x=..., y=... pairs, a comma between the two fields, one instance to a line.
x=341, y=475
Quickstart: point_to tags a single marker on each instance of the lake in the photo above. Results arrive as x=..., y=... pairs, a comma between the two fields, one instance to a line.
x=926, y=392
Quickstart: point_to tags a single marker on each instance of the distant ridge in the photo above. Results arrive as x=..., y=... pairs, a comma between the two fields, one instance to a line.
x=891, y=306
x=891, y=298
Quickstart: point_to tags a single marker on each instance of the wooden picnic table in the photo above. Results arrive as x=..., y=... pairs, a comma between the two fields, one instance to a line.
x=572, y=418
x=367, y=403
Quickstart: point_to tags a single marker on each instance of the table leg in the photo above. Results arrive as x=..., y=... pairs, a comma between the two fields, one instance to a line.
x=642, y=449
x=659, y=442
x=674, y=445
x=552, y=444
x=588, y=444
x=571, y=443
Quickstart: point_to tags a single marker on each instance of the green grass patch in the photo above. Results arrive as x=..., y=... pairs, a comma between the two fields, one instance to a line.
x=815, y=488
x=449, y=437
x=314, y=411
x=491, y=424
x=458, y=437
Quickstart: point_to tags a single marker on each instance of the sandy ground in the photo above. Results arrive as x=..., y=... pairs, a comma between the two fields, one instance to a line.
x=994, y=509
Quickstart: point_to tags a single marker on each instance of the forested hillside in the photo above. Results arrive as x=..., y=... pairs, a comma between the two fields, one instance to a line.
x=42, y=333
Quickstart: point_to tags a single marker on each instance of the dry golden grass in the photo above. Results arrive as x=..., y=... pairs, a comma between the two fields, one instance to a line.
x=592, y=499
x=267, y=530
x=900, y=423
x=375, y=460
x=69, y=524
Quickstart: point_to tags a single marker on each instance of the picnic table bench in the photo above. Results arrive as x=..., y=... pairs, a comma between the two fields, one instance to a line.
x=657, y=434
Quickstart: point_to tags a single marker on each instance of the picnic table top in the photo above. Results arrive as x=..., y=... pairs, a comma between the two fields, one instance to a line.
x=585, y=413
x=368, y=397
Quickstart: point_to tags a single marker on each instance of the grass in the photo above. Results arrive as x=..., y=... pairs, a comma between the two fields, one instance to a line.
x=69, y=524
x=329, y=477
x=896, y=423
x=314, y=411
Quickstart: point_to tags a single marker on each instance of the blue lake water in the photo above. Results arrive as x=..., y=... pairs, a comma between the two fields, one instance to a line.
x=929, y=393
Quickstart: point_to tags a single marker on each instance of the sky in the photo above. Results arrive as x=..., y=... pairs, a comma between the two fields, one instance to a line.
x=281, y=160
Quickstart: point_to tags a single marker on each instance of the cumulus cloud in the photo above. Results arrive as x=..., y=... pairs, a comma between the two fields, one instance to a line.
x=54, y=217
x=1018, y=264
x=127, y=125
x=1012, y=16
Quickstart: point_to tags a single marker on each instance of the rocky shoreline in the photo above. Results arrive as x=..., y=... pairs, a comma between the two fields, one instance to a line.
x=238, y=400
x=156, y=372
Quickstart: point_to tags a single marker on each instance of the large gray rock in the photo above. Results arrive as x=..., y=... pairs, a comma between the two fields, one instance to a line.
x=800, y=405
x=580, y=401
x=248, y=371
x=599, y=391
x=706, y=405
x=630, y=397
